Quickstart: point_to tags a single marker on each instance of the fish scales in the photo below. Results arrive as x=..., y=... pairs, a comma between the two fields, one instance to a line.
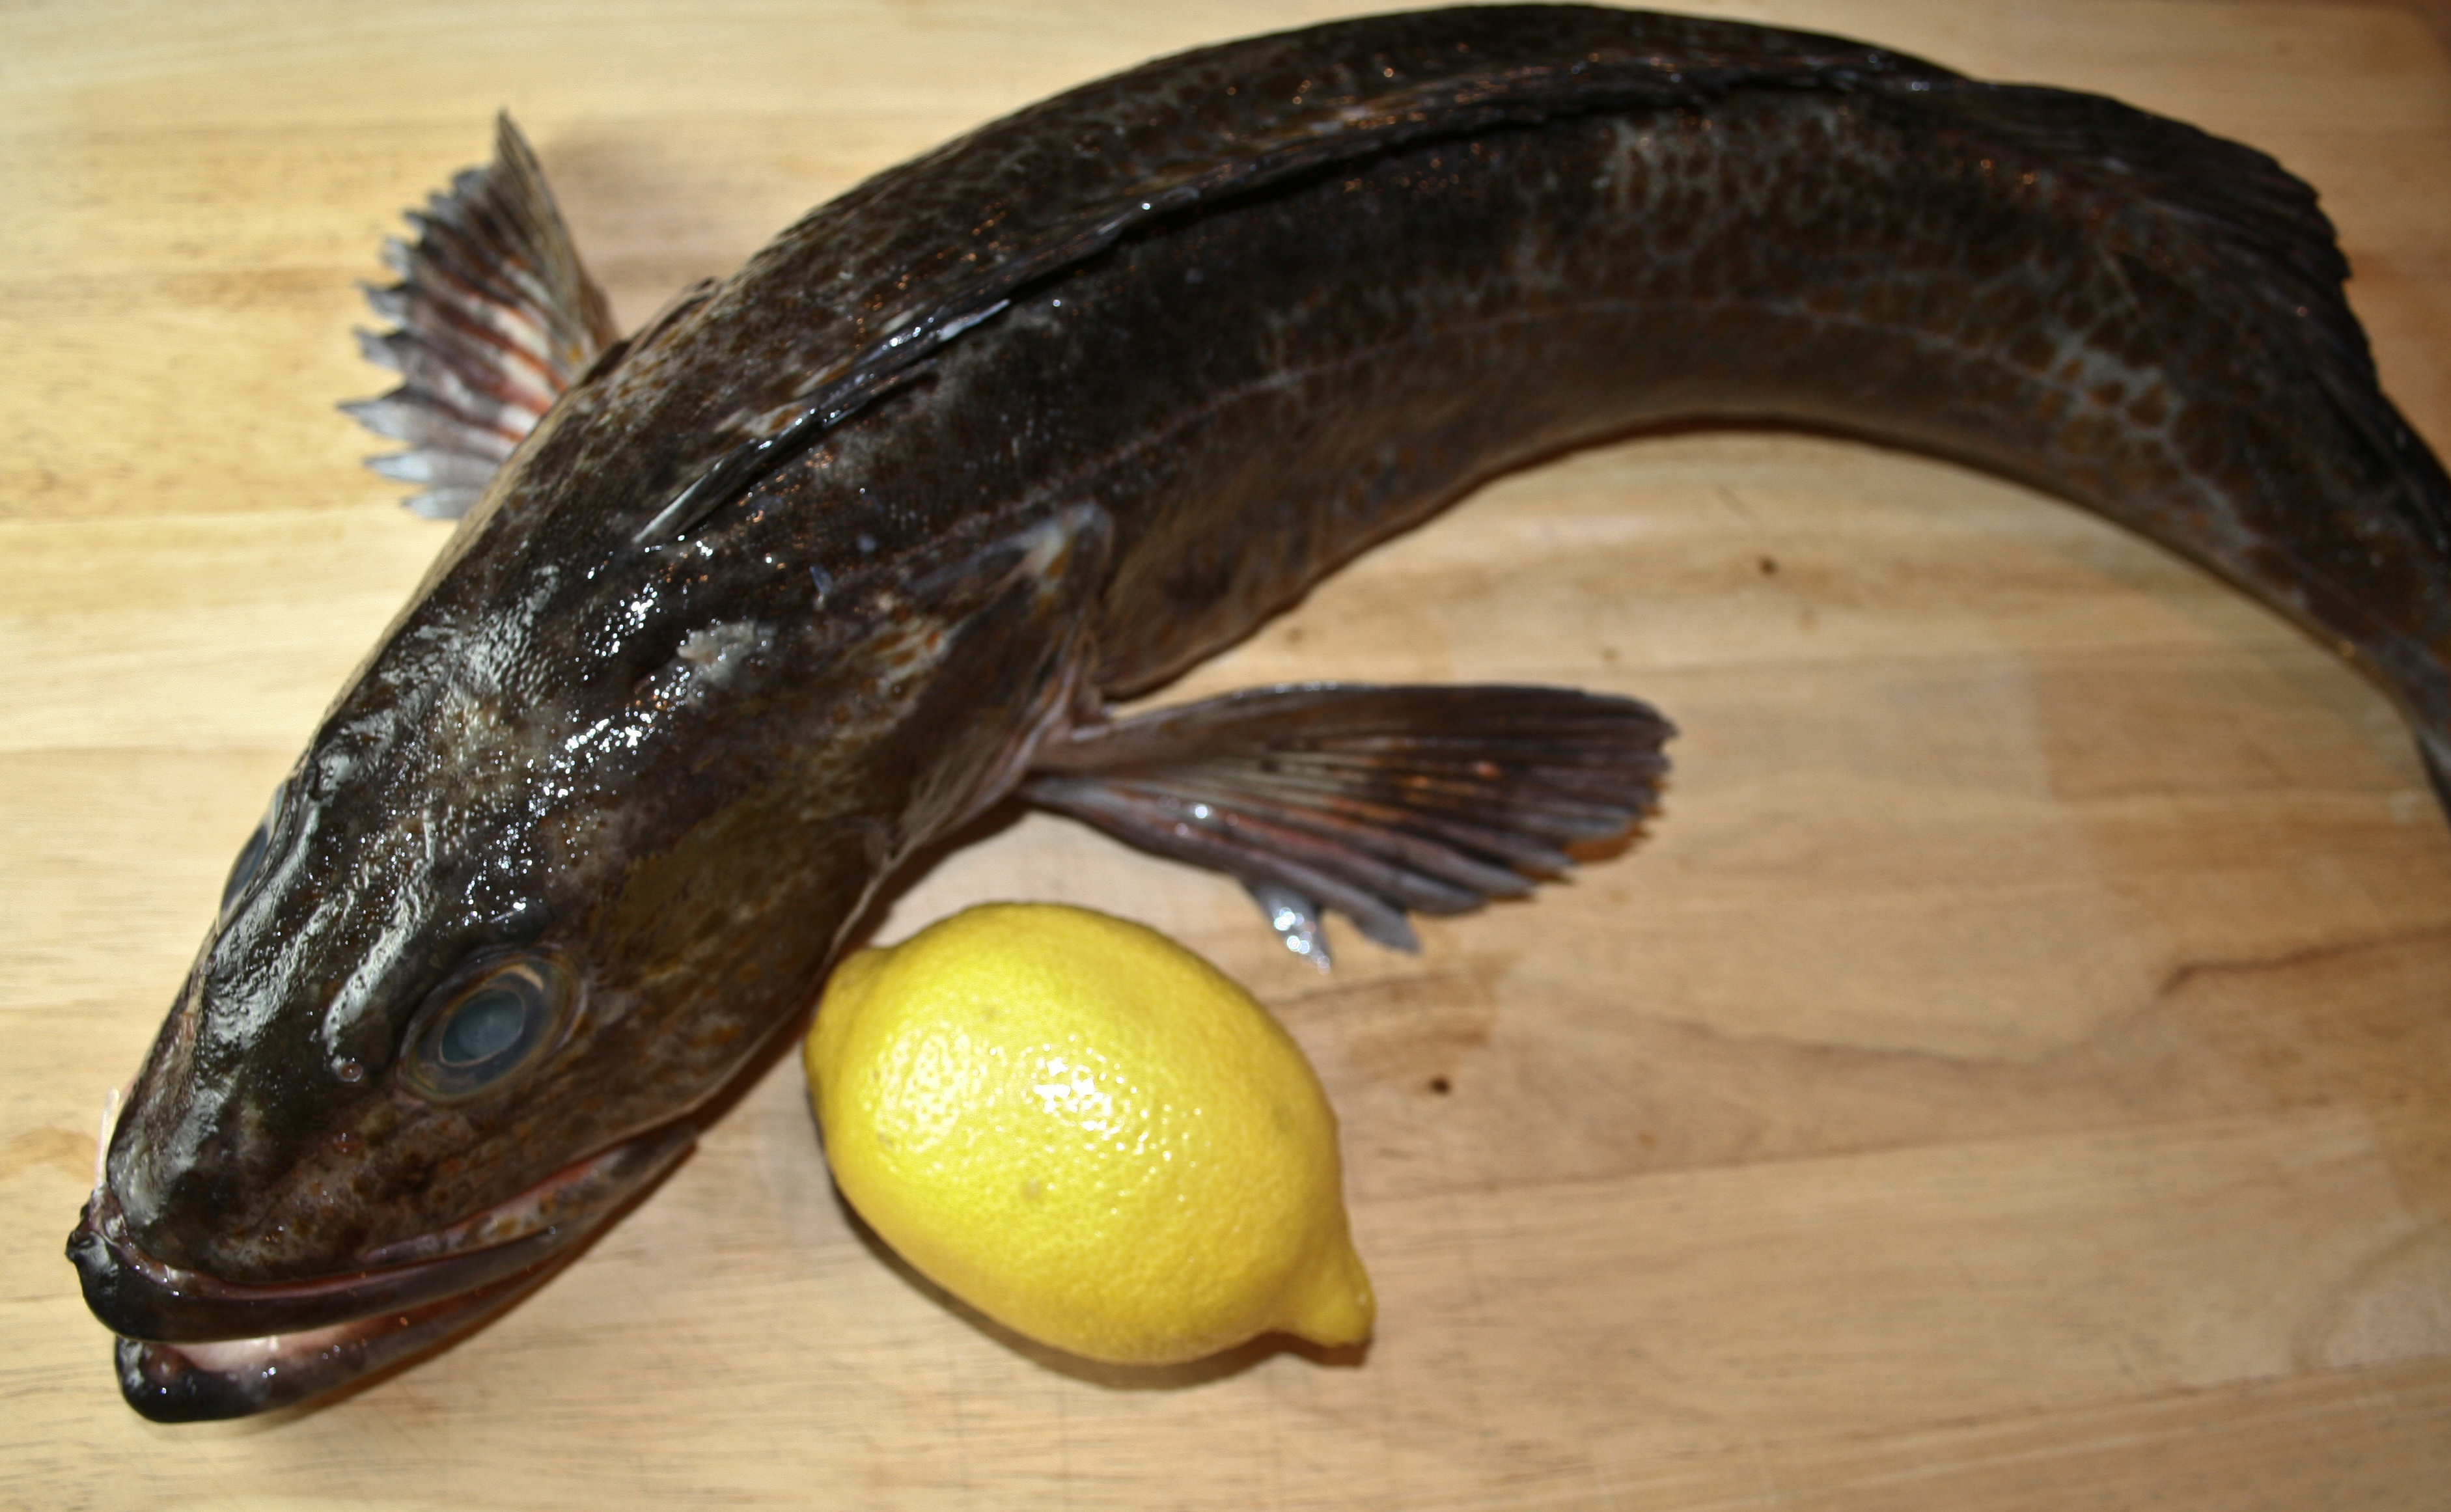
x=865, y=537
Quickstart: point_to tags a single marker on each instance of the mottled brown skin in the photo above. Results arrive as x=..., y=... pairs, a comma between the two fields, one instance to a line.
x=1379, y=262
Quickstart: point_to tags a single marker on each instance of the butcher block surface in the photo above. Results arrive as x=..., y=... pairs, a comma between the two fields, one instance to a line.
x=2013, y=1071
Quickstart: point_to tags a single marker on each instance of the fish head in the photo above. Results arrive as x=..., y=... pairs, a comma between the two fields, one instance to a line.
x=574, y=845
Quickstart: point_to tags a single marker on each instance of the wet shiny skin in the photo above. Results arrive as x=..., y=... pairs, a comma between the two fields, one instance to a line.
x=637, y=759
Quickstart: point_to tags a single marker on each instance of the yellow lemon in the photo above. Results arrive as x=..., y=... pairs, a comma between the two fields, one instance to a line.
x=1089, y=1134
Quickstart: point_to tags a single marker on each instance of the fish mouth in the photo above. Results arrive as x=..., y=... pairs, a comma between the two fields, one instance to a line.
x=232, y=1377
x=193, y=1346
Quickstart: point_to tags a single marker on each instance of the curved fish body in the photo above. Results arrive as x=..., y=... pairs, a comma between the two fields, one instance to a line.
x=861, y=540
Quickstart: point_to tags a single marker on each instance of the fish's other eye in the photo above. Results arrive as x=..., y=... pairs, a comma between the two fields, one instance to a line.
x=251, y=854
x=483, y=1027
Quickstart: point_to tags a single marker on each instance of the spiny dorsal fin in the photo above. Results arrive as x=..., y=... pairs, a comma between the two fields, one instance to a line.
x=495, y=317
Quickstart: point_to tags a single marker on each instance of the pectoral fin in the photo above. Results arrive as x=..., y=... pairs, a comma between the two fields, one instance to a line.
x=495, y=316
x=1374, y=802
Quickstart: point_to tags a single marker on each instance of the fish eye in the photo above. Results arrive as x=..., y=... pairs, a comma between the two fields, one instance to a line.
x=251, y=854
x=483, y=1027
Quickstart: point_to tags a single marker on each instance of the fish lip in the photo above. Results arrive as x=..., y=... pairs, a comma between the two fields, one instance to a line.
x=148, y=1301
x=213, y=1382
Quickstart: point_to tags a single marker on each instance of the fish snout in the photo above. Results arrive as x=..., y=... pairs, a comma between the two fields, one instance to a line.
x=138, y=1294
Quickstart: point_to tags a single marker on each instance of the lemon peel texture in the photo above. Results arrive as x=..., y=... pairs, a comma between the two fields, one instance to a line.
x=1089, y=1134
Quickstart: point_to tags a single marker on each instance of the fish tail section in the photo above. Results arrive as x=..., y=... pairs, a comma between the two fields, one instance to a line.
x=2246, y=232
x=1376, y=802
x=2200, y=376
x=2437, y=760
x=494, y=317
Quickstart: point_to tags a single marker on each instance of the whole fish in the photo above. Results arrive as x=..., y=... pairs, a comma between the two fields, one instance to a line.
x=838, y=551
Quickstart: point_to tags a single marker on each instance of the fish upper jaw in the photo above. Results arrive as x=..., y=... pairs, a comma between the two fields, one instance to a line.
x=400, y=1296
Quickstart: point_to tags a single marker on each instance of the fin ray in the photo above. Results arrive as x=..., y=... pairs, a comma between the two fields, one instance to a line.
x=494, y=315
x=1374, y=802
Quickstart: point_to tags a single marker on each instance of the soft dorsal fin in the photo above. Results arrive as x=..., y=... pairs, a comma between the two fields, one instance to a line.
x=495, y=317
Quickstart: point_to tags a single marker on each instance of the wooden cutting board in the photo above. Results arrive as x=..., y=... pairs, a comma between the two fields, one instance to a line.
x=2013, y=1072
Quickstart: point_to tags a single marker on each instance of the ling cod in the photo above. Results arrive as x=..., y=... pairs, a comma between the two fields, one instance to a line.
x=832, y=555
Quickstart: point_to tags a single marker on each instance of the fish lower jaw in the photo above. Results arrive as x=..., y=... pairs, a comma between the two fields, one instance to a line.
x=191, y=1346
x=214, y=1380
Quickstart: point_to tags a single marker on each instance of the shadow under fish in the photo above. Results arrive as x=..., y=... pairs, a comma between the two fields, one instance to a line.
x=749, y=606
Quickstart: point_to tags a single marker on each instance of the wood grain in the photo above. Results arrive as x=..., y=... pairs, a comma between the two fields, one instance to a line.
x=2013, y=1074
